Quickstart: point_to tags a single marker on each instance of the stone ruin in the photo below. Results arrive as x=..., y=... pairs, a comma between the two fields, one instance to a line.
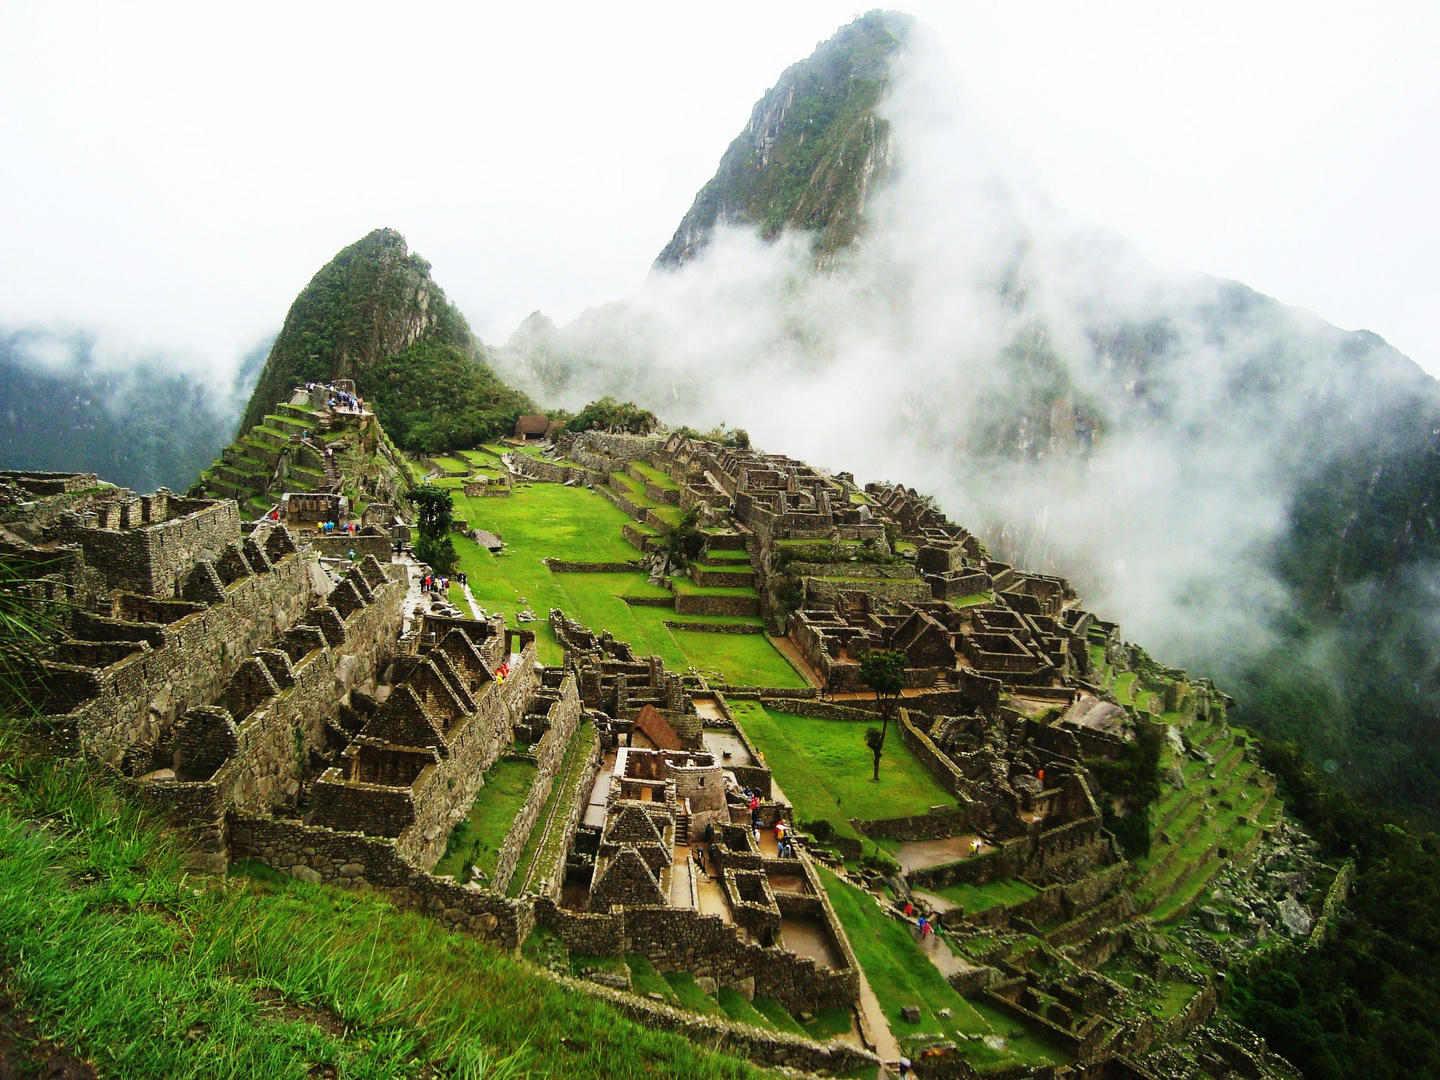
x=276, y=709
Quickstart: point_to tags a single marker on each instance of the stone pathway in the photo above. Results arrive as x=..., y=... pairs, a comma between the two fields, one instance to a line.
x=470, y=599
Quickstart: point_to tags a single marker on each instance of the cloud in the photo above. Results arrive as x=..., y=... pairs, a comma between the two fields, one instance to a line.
x=1088, y=414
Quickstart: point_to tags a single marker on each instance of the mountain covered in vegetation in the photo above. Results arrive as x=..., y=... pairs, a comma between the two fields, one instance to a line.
x=374, y=315
x=143, y=425
x=813, y=148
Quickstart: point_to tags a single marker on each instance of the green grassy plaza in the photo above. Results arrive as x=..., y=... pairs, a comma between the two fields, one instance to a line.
x=825, y=768
x=574, y=524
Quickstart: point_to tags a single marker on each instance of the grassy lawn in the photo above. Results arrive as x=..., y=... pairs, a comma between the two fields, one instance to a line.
x=739, y=555
x=654, y=476
x=256, y=974
x=689, y=588
x=453, y=465
x=644, y=979
x=577, y=525
x=778, y=1015
x=477, y=839
x=900, y=974
x=737, y=1008
x=973, y=898
x=825, y=768
x=690, y=995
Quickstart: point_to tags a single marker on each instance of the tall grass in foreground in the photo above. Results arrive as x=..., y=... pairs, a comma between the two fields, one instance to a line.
x=147, y=971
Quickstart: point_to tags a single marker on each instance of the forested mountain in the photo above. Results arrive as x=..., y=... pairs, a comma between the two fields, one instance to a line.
x=373, y=314
x=145, y=425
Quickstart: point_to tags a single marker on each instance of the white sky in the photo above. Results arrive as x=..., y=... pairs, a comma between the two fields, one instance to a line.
x=172, y=176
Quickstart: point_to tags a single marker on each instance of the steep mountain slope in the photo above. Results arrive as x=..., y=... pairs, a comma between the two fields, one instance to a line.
x=1247, y=486
x=143, y=426
x=373, y=314
x=812, y=150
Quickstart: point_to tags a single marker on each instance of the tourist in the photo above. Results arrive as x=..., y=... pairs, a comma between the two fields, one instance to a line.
x=909, y=909
x=905, y=1069
x=975, y=846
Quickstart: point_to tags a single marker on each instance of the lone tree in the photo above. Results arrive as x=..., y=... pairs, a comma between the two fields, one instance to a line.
x=883, y=670
x=434, y=511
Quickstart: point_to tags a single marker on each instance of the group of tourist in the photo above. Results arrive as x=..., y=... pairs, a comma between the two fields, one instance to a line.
x=349, y=528
x=339, y=399
x=922, y=923
x=435, y=585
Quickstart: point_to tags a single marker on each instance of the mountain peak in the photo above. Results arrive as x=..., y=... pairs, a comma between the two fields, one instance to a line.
x=813, y=149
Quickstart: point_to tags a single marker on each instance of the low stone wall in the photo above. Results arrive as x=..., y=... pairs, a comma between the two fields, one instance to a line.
x=559, y=566
x=770, y=1048
x=677, y=939
x=564, y=716
x=939, y=764
x=553, y=472
x=649, y=601
x=656, y=522
x=828, y=590
x=700, y=604
x=823, y=710
x=878, y=571
x=916, y=827
x=712, y=578
x=715, y=628
x=1066, y=853
x=642, y=541
x=316, y=854
x=340, y=547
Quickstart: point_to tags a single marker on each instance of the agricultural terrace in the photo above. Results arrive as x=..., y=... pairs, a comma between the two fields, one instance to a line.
x=574, y=524
x=825, y=769
x=900, y=974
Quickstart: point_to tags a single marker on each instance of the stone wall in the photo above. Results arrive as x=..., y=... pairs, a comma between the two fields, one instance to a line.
x=475, y=744
x=145, y=692
x=641, y=540
x=155, y=552
x=316, y=854
x=340, y=547
x=276, y=737
x=764, y=1047
x=939, y=763
x=564, y=716
x=715, y=628
x=574, y=814
x=701, y=604
x=559, y=566
x=917, y=827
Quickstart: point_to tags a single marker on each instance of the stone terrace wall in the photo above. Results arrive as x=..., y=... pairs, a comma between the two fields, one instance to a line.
x=550, y=755
x=270, y=756
x=155, y=557
x=475, y=745
x=339, y=547
x=939, y=764
x=316, y=854
x=707, y=604
x=200, y=652
x=770, y=1048
x=552, y=887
